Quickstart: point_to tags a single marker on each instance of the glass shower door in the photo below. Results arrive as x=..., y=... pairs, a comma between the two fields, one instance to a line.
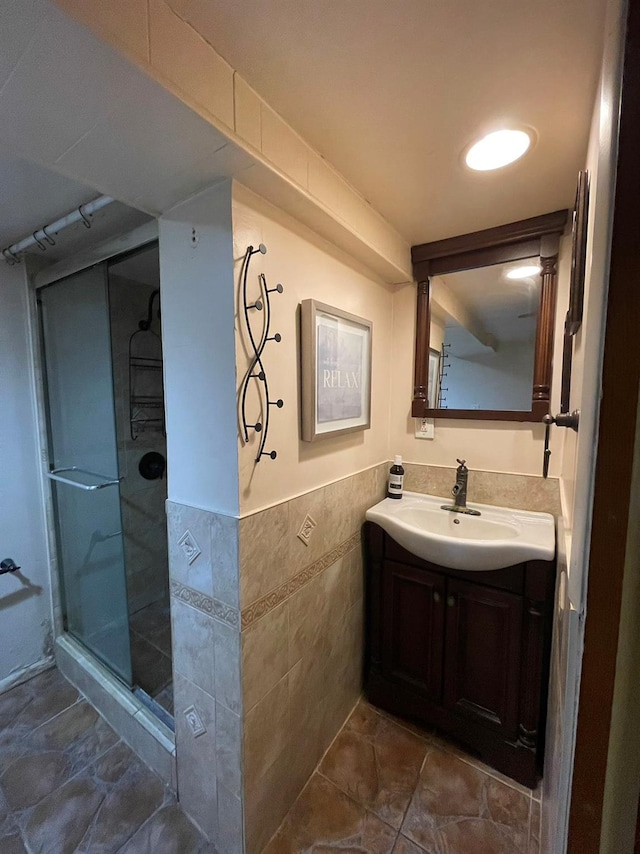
x=83, y=463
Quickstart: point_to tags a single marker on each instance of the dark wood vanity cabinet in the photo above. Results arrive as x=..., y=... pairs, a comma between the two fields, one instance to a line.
x=467, y=652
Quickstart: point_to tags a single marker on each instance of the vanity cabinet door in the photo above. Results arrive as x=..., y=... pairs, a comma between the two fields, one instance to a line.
x=413, y=628
x=483, y=641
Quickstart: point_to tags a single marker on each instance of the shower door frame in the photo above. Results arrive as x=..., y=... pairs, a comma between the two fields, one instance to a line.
x=143, y=730
x=108, y=252
x=75, y=620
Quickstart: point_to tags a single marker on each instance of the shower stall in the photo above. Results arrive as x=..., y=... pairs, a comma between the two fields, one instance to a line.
x=103, y=378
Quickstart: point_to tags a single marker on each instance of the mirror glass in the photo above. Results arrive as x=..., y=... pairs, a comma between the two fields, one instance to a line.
x=483, y=335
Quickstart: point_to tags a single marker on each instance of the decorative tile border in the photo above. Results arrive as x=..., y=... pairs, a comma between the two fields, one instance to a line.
x=212, y=607
x=262, y=606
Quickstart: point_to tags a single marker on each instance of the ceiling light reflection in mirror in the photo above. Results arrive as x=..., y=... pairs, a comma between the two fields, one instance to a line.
x=524, y=272
x=483, y=327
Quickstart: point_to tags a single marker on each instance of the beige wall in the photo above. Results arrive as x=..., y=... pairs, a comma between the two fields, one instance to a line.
x=308, y=268
x=576, y=482
x=588, y=344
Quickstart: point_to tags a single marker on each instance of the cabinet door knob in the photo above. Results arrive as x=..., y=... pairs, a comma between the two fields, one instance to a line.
x=451, y=601
x=436, y=597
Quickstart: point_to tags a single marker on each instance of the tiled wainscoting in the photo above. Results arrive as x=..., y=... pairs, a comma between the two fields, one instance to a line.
x=205, y=618
x=302, y=634
x=268, y=640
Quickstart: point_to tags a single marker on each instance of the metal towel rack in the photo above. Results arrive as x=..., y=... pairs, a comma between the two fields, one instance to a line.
x=56, y=474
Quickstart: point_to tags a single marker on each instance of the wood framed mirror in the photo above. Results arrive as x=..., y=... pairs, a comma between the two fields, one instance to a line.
x=491, y=320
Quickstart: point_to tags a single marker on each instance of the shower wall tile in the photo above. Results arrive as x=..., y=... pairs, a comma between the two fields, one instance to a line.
x=267, y=752
x=265, y=547
x=228, y=688
x=338, y=510
x=265, y=655
x=271, y=552
x=193, y=645
x=207, y=668
x=193, y=571
x=197, y=778
x=229, y=749
x=302, y=640
x=212, y=569
x=230, y=822
x=224, y=559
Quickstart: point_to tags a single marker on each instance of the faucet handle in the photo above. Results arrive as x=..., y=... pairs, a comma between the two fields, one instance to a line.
x=462, y=462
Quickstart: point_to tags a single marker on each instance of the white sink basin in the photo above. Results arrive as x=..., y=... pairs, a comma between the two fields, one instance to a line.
x=499, y=537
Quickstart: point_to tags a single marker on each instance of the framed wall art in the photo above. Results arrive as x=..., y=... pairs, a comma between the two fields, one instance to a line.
x=335, y=371
x=573, y=319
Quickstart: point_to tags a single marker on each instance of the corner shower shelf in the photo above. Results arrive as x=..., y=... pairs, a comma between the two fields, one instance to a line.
x=146, y=394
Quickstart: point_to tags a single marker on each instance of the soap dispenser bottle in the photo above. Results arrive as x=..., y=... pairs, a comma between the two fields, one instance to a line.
x=396, y=479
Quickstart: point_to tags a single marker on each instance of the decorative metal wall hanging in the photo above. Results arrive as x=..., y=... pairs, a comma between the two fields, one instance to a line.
x=256, y=370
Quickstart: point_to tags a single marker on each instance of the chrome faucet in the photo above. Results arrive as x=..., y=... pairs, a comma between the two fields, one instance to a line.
x=459, y=492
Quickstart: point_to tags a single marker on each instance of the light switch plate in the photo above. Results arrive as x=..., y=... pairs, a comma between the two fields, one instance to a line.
x=425, y=428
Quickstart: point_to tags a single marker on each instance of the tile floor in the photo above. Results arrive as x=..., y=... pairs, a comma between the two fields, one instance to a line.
x=150, y=631
x=385, y=786
x=68, y=785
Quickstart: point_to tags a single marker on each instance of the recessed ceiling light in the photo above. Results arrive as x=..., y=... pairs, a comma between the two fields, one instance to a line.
x=497, y=149
x=523, y=272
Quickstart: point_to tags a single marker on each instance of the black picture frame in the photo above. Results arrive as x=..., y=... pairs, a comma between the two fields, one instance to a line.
x=573, y=320
x=578, y=254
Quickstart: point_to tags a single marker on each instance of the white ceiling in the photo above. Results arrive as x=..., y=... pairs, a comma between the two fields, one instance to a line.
x=392, y=92
x=32, y=196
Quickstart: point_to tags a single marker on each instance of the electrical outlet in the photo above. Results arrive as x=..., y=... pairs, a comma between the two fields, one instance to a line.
x=425, y=428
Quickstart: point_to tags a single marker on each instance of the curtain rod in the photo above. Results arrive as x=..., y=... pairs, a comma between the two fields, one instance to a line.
x=42, y=237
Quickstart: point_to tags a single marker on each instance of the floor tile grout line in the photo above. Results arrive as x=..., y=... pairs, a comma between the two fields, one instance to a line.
x=21, y=818
x=47, y=720
x=428, y=739
x=29, y=734
x=351, y=798
x=94, y=818
x=468, y=760
x=76, y=773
